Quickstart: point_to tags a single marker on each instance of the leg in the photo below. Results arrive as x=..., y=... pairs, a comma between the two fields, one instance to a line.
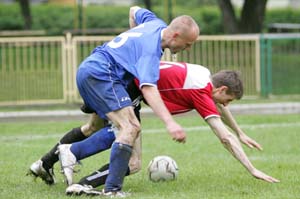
x=43, y=168
x=98, y=178
x=70, y=154
x=129, y=128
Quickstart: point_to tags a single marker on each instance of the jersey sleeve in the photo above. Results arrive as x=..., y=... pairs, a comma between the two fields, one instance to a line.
x=148, y=70
x=204, y=104
x=143, y=15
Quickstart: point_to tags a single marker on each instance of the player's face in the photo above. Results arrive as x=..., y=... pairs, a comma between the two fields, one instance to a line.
x=221, y=97
x=180, y=43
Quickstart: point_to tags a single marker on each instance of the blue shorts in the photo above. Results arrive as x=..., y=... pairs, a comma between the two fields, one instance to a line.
x=101, y=89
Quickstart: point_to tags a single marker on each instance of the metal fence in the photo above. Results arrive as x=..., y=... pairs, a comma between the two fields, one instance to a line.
x=280, y=64
x=35, y=70
x=32, y=70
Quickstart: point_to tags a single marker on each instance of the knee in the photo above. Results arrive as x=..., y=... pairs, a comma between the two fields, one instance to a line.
x=129, y=133
x=89, y=128
x=136, y=128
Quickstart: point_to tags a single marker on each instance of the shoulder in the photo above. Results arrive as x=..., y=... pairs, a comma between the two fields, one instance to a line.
x=197, y=76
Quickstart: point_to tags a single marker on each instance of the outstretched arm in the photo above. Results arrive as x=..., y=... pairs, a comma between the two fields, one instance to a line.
x=229, y=120
x=153, y=98
x=132, y=11
x=232, y=144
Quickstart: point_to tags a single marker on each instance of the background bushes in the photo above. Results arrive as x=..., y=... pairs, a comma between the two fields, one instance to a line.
x=56, y=19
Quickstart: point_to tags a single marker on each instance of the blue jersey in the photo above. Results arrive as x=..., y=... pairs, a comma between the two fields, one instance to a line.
x=137, y=51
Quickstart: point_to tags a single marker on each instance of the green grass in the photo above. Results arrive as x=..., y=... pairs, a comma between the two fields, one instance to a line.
x=206, y=169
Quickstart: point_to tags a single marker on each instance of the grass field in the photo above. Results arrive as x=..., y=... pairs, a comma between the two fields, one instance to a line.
x=206, y=169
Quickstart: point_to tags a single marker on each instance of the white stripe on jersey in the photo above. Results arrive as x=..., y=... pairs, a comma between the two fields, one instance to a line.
x=197, y=77
x=168, y=64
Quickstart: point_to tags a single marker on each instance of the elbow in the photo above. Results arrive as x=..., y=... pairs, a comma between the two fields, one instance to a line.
x=228, y=139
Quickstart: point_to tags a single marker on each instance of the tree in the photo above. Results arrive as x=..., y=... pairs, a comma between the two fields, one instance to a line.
x=148, y=4
x=251, y=20
x=25, y=9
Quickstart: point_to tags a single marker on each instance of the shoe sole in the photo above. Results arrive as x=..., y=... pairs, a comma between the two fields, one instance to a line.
x=33, y=174
x=92, y=193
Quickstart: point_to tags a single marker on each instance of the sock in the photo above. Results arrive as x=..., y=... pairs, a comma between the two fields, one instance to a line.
x=119, y=159
x=98, y=178
x=50, y=158
x=99, y=141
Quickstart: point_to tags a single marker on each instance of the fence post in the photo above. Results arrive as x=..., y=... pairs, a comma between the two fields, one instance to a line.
x=269, y=67
x=263, y=66
x=69, y=73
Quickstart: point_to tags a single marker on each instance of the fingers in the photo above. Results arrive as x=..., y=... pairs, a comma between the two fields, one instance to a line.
x=260, y=175
x=258, y=147
x=252, y=144
x=180, y=139
x=271, y=179
x=255, y=145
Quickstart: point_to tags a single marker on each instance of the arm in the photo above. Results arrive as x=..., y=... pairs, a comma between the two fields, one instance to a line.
x=132, y=11
x=232, y=144
x=152, y=96
x=229, y=120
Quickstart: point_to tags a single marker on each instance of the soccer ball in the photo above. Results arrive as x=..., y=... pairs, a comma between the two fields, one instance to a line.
x=162, y=168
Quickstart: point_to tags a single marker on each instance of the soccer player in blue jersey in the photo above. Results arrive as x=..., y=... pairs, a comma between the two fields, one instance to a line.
x=103, y=76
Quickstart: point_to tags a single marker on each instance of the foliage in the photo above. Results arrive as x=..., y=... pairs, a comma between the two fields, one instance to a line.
x=106, y=17
x=181, y=3
x=287, y=15
x=207, y=17
x=10, y=17
x=56, y=19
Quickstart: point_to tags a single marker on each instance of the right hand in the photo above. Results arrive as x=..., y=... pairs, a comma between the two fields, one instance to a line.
x=176, y=131
x=249, y=142
x=260, y=175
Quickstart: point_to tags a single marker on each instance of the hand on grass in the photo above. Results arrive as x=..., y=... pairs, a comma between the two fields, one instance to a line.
x=260, y=175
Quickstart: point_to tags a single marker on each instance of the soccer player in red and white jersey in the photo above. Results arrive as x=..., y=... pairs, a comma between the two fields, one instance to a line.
x=183, y=87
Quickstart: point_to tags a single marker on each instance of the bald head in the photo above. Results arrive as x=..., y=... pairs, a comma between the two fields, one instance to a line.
x=185, y=25
x=180, y=34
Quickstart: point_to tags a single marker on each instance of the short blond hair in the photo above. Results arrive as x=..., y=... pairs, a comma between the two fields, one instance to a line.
x=184, y=24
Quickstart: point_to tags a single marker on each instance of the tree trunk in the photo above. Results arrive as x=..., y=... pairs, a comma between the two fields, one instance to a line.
x=148, y=4
x=25, y=9
x=252, y=17
x=230, y=23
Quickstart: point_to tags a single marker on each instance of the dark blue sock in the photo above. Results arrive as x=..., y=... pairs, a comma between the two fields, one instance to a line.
x=119, y=159
x=99, y=141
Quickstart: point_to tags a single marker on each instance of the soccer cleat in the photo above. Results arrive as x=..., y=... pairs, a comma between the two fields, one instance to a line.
x=67, y=162
x=115, y=194
x=37, y=170
x=78, y=189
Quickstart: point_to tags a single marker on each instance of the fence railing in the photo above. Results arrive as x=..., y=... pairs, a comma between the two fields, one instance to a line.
x=35, y=70
x=280, y=64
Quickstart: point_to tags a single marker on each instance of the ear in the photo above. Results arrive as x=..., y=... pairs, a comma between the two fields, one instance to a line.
x=223, y=88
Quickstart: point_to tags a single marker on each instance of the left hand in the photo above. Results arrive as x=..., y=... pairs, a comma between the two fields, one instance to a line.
x=261, y=175
x=176, y=131
x=249, y=142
